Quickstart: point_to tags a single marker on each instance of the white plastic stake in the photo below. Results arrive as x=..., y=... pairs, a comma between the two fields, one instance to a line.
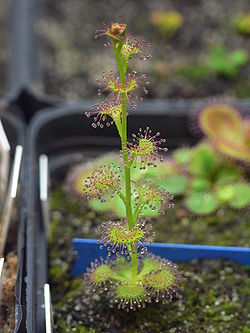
x=11, y=195
x=16, y=171
x=1, y=279
x=4, y=161
x=48, y=309
x=43, y=186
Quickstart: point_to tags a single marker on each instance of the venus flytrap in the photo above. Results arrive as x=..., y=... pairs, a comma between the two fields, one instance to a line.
x=128, y=280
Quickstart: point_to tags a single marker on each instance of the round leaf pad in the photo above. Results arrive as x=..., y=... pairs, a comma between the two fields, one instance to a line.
x=175, y=185
x=202, y=203
x=102, y=273
x=131, y=292
x=161, y=280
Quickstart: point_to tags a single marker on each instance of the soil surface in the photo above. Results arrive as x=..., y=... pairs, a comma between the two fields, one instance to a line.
x=9, y=276
x=8, y=294
x=72, y=60
x=216, y=293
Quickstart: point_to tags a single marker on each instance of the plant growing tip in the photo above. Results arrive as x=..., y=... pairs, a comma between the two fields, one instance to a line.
x=115, y=31
x=130, y=281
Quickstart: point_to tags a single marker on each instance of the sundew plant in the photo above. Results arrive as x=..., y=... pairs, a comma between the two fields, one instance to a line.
x=130, y=277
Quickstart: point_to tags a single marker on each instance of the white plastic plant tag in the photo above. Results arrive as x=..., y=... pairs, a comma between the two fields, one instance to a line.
x=11, y=195
x=43, y=186
x=4, y=162
x=1, y=279
x=49, y=322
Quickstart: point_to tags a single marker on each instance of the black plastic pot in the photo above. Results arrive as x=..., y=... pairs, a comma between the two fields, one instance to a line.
x=15, y=131
x=61, y=133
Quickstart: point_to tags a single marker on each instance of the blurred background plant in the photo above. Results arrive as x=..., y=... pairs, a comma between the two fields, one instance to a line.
x=227, y=130
x=167, y=23
x=242, y=23
x=226, y=63
x=208, y=176
x=205, y=182
x=213, y=181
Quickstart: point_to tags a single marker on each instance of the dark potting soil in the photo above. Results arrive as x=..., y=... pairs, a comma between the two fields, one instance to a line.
x=216, y=295
x=9, y=275
x=72, y=60
x=7, y=313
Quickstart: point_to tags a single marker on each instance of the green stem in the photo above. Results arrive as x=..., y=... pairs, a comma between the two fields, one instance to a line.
x=134, y=263
x=137, y=212
x=122, y=67
x=122, y=196
x=119, y=128
x=128, y=197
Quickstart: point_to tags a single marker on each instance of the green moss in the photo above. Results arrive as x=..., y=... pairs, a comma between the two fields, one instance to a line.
x=63, y=328
x=58, y=271
x=71, y=288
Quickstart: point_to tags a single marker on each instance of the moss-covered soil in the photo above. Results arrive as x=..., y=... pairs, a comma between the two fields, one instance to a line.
x=216, y=296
